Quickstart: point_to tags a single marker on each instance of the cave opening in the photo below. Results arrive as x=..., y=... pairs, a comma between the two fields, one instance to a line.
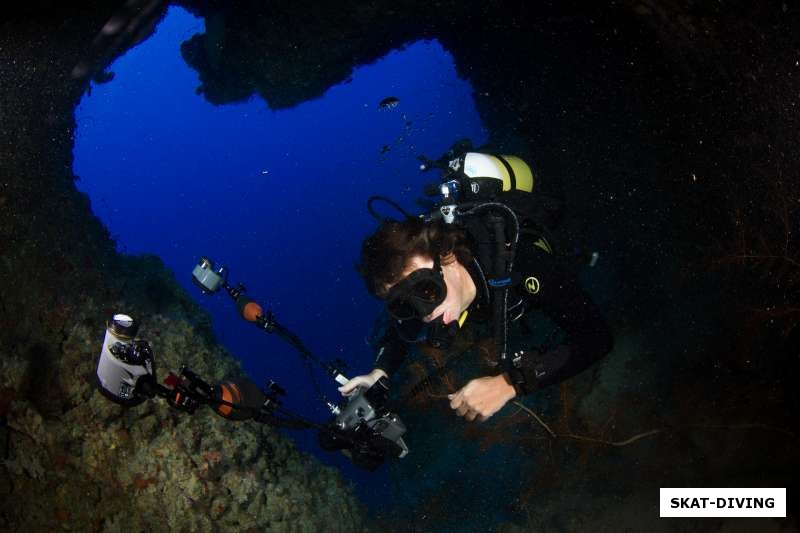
x=279, y=196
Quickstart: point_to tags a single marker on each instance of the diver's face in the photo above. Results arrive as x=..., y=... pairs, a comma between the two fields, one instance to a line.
x=460, y=288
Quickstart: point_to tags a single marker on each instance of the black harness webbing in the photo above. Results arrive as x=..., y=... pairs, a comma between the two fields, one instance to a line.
x=496, y=249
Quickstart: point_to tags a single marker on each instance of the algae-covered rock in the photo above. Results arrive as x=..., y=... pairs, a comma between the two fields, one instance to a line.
x=162, y=467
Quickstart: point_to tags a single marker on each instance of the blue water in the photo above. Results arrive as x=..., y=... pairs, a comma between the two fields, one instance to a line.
x=277, y=196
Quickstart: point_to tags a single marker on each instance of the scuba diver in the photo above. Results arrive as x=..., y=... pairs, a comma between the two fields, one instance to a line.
x=484, y=257
x=483, y=253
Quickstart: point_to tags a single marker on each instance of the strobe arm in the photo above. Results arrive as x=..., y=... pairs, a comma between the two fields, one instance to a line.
x=251, y=311
x=234, y=399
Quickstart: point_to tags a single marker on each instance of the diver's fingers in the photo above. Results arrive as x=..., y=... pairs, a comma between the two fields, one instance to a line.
x=348, y=388
x=456, y=399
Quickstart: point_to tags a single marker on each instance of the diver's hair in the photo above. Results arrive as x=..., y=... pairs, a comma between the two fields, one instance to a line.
x=386, y=253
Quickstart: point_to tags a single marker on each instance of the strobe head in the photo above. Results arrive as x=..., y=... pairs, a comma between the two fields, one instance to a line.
x=125, y=368
x=206, y=278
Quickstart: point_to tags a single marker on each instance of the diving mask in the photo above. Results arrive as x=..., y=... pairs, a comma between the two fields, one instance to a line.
x=418, y=294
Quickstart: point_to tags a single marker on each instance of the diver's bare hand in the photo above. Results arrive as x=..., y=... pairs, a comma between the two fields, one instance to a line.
x=366, y=381
x=482, y=397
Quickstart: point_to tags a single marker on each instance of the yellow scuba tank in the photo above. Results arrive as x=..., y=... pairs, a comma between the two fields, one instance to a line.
x=504, y=178
x=511, y=171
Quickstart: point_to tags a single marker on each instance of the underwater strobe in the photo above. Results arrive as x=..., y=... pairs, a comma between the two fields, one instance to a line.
x=208, y=279
x=125, y=369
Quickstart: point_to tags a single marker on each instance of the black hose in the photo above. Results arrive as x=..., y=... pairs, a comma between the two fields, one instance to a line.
x=372, y=199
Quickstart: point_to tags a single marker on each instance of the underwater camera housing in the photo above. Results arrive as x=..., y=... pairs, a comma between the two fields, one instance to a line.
x=365, y=430
x=361, y=427
x=125, y=368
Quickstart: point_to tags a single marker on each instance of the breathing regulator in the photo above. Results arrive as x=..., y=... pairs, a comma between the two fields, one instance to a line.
x=471, y=178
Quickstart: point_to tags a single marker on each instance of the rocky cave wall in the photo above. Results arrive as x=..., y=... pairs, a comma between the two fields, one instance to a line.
x=70, y=458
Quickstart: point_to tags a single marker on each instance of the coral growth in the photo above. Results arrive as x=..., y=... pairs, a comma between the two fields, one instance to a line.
x=198, y=472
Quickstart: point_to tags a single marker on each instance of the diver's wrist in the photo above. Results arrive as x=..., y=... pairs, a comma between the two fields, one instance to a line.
x=507, y=385
x=379, y=373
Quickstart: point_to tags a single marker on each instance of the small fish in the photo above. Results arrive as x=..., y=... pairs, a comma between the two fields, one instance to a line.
x=385, y=149
x=390, y=102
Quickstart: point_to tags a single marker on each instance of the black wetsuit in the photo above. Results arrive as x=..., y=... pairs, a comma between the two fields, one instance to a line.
x=542, y=282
